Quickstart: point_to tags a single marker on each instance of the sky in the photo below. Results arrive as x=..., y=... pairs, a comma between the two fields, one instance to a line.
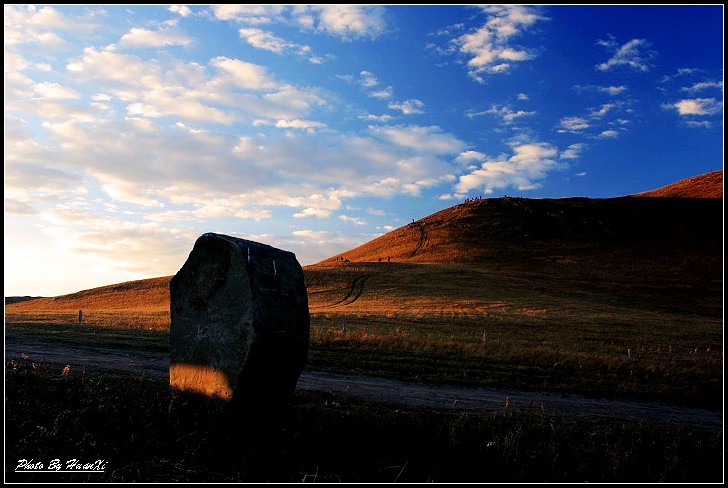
x=131, y=130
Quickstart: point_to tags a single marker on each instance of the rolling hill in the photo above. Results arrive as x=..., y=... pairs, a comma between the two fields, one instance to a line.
x=611, y=245
x=708, y=185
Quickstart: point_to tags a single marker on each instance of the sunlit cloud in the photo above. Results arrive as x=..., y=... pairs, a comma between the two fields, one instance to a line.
x=506, y=114
x=634, y=53
x=609, y=90
x=409, y=107
x=139, y=37
x=488, y=48
x=182, y=10
x=704, y=85
x=249, y=14
x=608, y=134
x=55, y=91
x=347, y=22
x=267, y=41
x=426, y=139
x=573, y=151
x=697, y=106
x=573, y=124
x=524, y=170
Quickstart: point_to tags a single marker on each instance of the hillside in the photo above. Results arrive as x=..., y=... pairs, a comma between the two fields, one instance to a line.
x=660, y=242
x=521, y=232
x=709, y=185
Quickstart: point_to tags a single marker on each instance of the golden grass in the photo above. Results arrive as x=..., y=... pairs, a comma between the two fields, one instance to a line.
x=709, y=185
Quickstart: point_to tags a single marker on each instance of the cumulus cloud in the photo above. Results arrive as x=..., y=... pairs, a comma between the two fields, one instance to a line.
x=573, y=124
x=27, y=24
x=409, y=107
x=347, y=22
x=704, y=85
x=55, y=91
x=634, y=54
x=573, y=151
x=249, y=14
x=426, y=139
x=267, y=41
x=352, y=220
x=300, y=124
x=529, y=164
x=488, y=48
x=367, y=79
x=139, y=37
x=608, y=134
x=182, y=10
x=697, y=106
x=609, y=90
x=376, y=118
x=384, y=93
x=507, y=115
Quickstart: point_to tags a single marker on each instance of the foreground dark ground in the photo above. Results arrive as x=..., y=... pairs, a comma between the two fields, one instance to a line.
x=123, y=420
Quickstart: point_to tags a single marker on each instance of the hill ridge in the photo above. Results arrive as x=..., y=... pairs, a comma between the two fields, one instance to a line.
x=512, y=231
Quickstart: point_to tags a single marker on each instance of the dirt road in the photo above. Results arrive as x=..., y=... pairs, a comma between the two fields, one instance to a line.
x=381, y=389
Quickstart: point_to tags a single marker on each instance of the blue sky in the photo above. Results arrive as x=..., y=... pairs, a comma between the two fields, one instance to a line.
x=132, y=130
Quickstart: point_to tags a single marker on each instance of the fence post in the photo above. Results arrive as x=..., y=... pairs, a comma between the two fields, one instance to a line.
x=80, y=316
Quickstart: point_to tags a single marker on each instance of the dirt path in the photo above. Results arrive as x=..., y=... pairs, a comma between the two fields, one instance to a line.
x=381, y=389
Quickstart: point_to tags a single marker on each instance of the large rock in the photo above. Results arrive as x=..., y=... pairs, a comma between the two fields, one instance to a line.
x=239, y=330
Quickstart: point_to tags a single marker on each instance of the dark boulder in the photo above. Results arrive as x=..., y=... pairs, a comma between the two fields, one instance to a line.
x=239, y=331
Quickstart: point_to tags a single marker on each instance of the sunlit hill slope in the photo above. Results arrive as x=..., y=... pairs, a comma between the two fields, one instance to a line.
x=537, y=252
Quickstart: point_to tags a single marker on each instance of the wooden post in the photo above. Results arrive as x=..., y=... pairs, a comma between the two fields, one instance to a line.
x=80, y=316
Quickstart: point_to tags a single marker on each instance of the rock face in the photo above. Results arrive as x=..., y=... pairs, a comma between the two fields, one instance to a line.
x=239, y=331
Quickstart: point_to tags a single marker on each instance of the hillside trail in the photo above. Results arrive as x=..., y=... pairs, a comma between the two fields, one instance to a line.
x=18, y=346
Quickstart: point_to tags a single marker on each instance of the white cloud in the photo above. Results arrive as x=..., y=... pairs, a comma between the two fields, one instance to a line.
x=506, y=114
x=609, y=134
x=422, y=139
x=140, y=37
x=182, y=10
x=244, y=74
x=488, y=49
x=612, y=90
x=383, y=94
x=603, y=110
x=573, y=151
x=704, y=85
x=352, y=220
x=249, y=14
x=313, y=212
x=573, y=124
x=409, y=107
x=265, y=40
x=55, y=91
x=609, y=90
x=367, y=79
x=529, y=164
x=300, y=124
x=633, y=53
x=703, y=123
x=697, y=106
x=27, y=24
x=522, y=96
x=348, y=22
x=376, y=118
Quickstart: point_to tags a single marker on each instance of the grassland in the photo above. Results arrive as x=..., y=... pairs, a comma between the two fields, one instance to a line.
x=619, y=298
x=123, y=420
